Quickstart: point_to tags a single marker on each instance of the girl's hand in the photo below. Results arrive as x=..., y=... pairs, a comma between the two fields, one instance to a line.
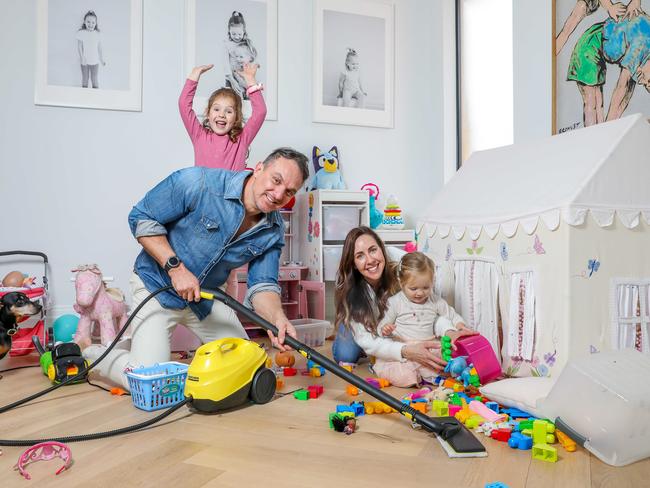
x=248, y=72
x=426, y=353
x=461, y=331
x=198, y=71
x=388, y=330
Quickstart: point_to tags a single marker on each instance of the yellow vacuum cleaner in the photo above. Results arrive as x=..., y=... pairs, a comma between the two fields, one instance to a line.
x=226, y=373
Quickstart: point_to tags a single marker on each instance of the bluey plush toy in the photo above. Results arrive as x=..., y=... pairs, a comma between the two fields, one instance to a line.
x=326, y=166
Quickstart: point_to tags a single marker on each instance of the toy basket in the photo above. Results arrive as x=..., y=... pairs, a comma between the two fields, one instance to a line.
x=158, y=386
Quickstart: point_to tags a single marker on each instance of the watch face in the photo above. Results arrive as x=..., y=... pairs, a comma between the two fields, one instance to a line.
x=173, y=262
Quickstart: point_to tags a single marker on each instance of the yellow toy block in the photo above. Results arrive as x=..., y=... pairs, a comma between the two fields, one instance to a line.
x=383, y=382
x=474, y=421
x=464, y=413
x=567, y=443
x=544, y=452
x=315, y=372
x=441, y=408
x=279, y=384
x=347, y=367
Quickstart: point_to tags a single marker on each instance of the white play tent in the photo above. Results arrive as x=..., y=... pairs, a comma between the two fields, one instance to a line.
x=544, y=246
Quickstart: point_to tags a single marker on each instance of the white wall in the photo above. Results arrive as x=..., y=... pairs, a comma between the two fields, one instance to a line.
x=70, y=176
x=532, y=67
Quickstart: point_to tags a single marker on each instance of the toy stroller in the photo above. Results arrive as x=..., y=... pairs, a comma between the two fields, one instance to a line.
x=22, y=340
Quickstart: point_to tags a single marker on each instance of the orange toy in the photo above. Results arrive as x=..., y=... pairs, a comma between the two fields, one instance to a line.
x=285, y=359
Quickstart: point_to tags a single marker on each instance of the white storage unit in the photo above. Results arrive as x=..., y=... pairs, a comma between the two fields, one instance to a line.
x=396, y=237
x=325, y=218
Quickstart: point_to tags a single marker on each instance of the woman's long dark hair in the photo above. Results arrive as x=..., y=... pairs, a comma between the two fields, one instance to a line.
x=355, y=299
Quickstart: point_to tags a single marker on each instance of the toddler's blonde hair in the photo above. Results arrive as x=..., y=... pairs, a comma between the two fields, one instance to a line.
x=414, y=263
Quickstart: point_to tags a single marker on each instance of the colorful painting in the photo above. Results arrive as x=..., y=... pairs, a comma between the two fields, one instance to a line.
x=602, y=52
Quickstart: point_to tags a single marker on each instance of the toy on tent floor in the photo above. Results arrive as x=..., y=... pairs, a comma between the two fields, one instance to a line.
x=96, y=303
x=22, y=340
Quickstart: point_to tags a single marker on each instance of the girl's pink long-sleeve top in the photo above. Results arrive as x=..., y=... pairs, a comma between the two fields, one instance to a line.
x=212, y=150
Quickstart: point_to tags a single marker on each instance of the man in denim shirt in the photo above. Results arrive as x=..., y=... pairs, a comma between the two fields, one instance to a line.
x=196, y=226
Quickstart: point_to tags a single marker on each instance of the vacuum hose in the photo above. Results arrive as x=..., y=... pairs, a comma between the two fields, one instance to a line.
x=445, y=429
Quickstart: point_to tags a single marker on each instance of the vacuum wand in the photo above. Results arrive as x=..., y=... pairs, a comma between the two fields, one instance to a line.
x=445, y=429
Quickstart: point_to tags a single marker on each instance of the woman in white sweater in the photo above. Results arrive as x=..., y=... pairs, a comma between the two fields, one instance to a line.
x=364, y=282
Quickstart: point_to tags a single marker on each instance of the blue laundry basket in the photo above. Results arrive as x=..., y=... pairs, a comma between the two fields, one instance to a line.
x=158, y=386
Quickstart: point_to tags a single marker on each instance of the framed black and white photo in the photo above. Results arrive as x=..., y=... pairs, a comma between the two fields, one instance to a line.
x=354, y=62
x=89, y=54
x=226, y=34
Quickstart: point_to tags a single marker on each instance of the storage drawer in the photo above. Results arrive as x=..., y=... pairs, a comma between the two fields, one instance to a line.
x=338, y=220
x=331, y=259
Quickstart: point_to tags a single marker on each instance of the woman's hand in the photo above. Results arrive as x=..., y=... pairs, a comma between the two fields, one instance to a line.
x=427, y=353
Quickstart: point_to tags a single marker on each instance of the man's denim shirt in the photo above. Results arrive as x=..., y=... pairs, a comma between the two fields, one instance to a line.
x=200, y=210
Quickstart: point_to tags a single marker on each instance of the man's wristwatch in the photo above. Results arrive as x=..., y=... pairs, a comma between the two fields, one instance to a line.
x=172, y=262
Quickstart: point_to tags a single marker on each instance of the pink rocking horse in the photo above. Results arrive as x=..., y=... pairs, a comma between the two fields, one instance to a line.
x=96, y=303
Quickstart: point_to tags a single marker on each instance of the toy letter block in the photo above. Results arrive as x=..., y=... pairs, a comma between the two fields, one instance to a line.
x=544, y=452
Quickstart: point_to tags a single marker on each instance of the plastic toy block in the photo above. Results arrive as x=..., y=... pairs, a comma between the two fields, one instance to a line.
x=474, y=421
x=515, y=413
x=269, y=363
x=454, y=409
x=464, y=413
x=377, y=407
x=359, y=408
x=319, y=389
x=445, y=347
x=544, y=452
x=492, y=406
x=501, y=434
x=279, y=384
x=347, y=367
x=450, y=383
x=374, y=382
x=543, y=439
x=311, y=364
x=485, y=412
x=441, y=408
x=317, y=371
x=421, y=393
x=520, y=441
x=344, y=408
x=301, y=395
x=289, y=371
x=568, y=444
x=420, y=407
x=352, y=390
x=496, y=484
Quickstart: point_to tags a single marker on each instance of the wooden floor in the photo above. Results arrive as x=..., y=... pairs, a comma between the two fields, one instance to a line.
x=285, y=443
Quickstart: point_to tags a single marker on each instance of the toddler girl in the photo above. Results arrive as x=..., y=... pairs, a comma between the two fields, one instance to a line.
x=221, y=141
x=241, y=55
x=89, y=46
x=415, y=314
x=350, y=82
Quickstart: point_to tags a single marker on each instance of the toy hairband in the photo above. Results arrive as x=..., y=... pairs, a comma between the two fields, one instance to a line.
x=44, y=451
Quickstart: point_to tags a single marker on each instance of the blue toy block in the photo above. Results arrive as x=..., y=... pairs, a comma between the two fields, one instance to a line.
x=359, y=408
x=520, y=441
x=496, y=484
x=516, y=413
x=494, y=406
x=344, y=408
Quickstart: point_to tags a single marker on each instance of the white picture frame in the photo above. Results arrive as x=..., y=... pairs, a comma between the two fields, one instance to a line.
x=114, y=82
x=346, y=34
x=201, y=46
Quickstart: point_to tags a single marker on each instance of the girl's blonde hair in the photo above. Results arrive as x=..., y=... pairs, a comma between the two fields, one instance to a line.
x=237, y=127
x=414, y=263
